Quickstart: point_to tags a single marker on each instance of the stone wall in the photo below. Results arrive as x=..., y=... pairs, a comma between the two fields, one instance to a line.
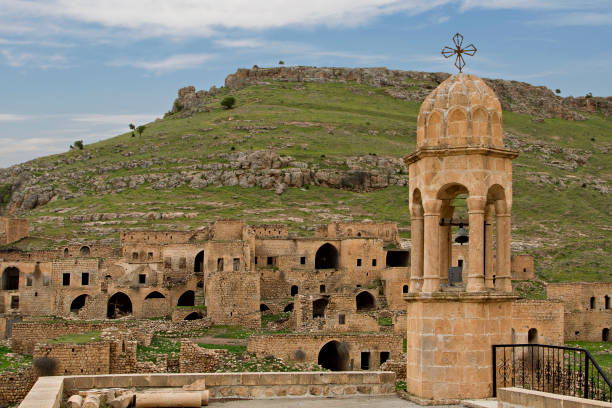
x=522, y=398
x=306, y=347
x=89, y=358
x=195, y=359
x=522, y=267
x=233, y=298
x=15, y=385
x=13, y=229
x=545, y=316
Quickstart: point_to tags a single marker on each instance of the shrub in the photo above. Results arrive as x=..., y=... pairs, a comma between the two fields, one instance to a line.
x=79, y=144
x=558, y=91
x=140, y=129
x=589, y=95
x=132, y=126
x=177, y=107
x=45, y=366
x=281, y=62
x=228, y=102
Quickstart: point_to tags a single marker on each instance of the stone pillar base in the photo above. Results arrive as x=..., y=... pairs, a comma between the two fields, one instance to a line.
x=449, y=339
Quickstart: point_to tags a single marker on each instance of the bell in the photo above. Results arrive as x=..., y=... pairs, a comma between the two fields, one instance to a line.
x=462, y=236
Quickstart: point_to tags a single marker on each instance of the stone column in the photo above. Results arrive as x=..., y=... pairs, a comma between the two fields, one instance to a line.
x=445, y=240
x=475, y=278
x=431, y=249
x=416, y=234
x=489, y=269
x=503, y=281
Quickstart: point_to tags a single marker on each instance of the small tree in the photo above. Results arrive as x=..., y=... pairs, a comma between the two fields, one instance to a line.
x=228, y=102
x=589, y=95
x=79, y=144
x=140, y=129
x=281, y=62
x=132, y=127
x=558, y=91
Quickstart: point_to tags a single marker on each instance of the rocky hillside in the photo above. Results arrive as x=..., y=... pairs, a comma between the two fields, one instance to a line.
x=304, y=146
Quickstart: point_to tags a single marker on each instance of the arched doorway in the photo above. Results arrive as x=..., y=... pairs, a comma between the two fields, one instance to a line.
x=334, y=356
x=187, y=299
x=198, y=262
x=155, y=295
x=264, y=308
x=84, y=251
x=532, y=336
x=365, y=301
x=118, y=305
x=605, y=334
x=10, y=278
x=288, y=308
x=326, y=257
x=78, y=303
x=193, y=316
x=294, y=290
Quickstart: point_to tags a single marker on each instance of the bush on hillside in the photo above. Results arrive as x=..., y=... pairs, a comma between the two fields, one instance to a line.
x=228, y=102
x=79, y=144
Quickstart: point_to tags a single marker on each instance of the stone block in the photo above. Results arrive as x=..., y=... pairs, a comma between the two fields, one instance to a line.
x=281, y=391
x=258, y=392
x=364, y=389
x=350, y=389
x=336, y=390
x=241, y=391
x=296, y=390
x=226, y=391
x=250, y=379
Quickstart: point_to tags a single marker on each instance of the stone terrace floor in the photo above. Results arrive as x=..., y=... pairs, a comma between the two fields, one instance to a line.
x=352, y=402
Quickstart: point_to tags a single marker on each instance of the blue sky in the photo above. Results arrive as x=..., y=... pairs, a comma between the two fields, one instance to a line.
x=84, y=69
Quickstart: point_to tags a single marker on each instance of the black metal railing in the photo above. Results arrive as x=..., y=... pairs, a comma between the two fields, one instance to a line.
x=556, y=369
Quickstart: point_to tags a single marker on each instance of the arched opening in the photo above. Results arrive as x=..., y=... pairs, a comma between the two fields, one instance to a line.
x=264, y=308
x=405, y=289
x=607, y=302
x=288, y=308
x=155, y=295
x=198, y=262
x=318, y=308
x=294, y=290
x=84, y=251
x=118, y=305
x=326, y=257
x=605, y=334
x=592, y=303
x=193, y=316
x=434, y=128
x=397, y=258
x=365, y=301
x=532, y=336
x=187, y=299
x=10, y=278
x=334, y=356
x=66, y=252
x=78, y=303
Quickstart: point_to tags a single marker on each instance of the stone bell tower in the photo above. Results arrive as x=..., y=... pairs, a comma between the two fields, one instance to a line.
x=460, y=152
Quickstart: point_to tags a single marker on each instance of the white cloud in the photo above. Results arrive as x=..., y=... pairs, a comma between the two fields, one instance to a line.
x=11, y=117
x=100, y=119
x=172, y=63
x=576, y=19
x=21, y=59
x=241, y=43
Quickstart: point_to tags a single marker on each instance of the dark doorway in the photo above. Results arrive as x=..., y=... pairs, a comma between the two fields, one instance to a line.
x=384, y=356
x=396, y=259
x=365, y=360
x=288, y=308
x=294, y=290
x=607, y=302
x=10, y=278
x=532, y=336
x=365, y=301
x=592, y=303
x=334, y=356
x=78, y=303
x=193, y=316
x=118, y=305
x=326, y=257
x=405, y=289
x=605, y=334
x=84, y=251
x=198, y=263
x=187, y=299
x=318, y=308
x=263, y=308
x=155, y=295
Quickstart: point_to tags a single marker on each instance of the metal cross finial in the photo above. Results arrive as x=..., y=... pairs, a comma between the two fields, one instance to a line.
x=459, y=51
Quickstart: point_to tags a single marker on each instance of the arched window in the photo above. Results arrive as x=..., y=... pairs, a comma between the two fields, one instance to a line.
x=78, y=303
x=405, y=289
x=334, y=356
x=288, y=308
x=318, y=308
x=294, y=290
x=187, y=299
x=607, y=302
x=65, y=252
x=365, y=301
x=193, y=316
x=155, y=295
x=326, y=257
x=84, y=251
x=605, y=334
x=118, y=305
x=263, y=307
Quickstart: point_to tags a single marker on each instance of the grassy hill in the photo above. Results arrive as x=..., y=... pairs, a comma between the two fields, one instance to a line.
x=562, y=178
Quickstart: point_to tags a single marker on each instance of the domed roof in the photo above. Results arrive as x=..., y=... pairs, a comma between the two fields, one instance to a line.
x=461, y=111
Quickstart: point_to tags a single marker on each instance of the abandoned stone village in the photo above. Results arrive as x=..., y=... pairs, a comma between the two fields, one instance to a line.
x=425, y=314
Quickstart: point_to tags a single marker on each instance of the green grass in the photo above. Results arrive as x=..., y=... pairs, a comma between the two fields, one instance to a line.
x=267, y=318
x=564, y=227
x=80, y=338
x=385, y=321
x=601, y=351
x=12, y=361
x=230, y=347
x=159, y=346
